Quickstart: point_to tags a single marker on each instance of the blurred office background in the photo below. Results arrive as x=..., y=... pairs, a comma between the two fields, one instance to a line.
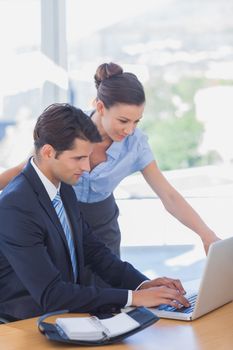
x=182, y=51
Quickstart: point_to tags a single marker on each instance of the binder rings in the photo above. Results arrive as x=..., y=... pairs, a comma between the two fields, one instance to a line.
x=142, y=315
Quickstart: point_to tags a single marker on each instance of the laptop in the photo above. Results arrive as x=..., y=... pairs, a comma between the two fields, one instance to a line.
x=213, y=290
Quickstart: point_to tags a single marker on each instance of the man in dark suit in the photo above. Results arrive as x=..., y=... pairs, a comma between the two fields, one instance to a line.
x=41, y=260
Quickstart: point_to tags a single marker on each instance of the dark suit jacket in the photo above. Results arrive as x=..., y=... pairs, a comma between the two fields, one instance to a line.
x=35, y=267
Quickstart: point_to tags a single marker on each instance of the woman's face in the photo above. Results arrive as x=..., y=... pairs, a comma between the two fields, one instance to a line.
x=121, y=120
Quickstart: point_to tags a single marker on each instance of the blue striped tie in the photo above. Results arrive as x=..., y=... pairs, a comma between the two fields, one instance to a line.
x=60, y=210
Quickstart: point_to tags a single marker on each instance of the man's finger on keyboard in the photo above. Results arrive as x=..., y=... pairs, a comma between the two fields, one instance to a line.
x=176, y=296
x=173, y=283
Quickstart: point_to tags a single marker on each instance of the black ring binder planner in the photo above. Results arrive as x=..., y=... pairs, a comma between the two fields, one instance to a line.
x=53, y=332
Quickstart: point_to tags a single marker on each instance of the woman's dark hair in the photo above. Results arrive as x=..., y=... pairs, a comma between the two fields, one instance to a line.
x=115, y=86
x=60, y=124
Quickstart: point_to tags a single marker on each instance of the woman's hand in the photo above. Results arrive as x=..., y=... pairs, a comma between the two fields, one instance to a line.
x=208, y=239
x=9, y=174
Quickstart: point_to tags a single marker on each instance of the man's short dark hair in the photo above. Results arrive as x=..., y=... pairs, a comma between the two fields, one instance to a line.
x=60, y=124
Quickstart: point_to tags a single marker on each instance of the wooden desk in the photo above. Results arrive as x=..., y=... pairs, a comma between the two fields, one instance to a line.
x=211, y=332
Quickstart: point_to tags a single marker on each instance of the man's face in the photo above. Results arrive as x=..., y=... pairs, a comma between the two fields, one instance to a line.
x=69, y=165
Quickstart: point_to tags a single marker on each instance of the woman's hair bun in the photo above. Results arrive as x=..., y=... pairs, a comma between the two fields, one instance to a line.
x=106, y=71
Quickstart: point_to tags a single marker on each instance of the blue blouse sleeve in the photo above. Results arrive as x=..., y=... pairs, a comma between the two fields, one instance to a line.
x=144, y=154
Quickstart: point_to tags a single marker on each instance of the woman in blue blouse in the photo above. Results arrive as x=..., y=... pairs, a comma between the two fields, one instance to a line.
x=119, y=106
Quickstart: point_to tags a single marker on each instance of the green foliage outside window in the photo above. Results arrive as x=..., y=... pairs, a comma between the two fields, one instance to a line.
x=175, y=134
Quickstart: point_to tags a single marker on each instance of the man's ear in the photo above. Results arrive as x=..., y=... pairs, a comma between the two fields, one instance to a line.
x=100, y=107
x=47, y=152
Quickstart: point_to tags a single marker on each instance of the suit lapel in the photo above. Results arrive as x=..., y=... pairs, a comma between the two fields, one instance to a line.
x=44, y=200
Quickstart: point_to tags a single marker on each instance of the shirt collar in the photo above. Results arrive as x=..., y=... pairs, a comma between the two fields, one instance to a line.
x=115, y=149
x=49, y=186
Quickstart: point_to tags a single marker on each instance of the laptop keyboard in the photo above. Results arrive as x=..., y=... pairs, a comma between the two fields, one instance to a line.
x=191, y=298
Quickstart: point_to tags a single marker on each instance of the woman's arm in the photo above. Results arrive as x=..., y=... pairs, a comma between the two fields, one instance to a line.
x=9, y=174
x=176, y=205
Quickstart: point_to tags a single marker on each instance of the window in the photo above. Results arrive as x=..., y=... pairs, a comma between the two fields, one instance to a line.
x=20, y=84
x=32, y=74
x=182, y=52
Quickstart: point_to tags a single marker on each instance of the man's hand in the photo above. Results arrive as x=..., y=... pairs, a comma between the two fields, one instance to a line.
x=164, y=281
x=155, y=296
